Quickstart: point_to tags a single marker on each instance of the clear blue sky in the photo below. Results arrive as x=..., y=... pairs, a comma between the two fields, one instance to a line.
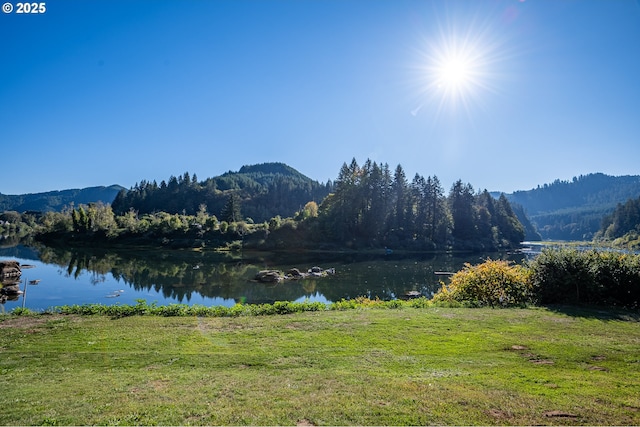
x=503, y=94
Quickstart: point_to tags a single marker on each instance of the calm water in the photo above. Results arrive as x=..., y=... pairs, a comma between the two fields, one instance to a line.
x=82, y=276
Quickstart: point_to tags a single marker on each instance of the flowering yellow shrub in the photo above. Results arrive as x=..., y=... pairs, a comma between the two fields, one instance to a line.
x=493, y=283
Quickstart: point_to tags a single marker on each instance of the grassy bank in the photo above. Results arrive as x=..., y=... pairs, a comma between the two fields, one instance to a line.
x=364, y=366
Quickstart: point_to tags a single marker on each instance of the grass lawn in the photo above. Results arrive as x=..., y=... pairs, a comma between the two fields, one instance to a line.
x=371, y=366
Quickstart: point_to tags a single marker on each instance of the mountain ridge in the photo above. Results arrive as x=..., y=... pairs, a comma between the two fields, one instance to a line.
x=573, y=210
x=593, y=189
x=57, y=200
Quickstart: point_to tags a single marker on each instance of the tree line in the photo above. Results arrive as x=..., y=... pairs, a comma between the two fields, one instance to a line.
x=369, y=206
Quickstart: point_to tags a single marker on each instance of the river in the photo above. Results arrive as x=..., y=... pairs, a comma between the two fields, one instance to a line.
x=108, y=276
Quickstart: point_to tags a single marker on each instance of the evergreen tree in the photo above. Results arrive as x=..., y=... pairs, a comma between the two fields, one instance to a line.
x=418, y=206
x=346, y=200
x=510, y=227
x=437, y=212
x=486, y=216
x=462, y=211
x=377, y=195
x=401, y=201
x=120, y=202
x=231, y=211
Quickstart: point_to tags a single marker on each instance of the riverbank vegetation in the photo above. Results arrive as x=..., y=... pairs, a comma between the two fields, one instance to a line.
x=365, y=366
x=556, y=276
x=368, y=207
x=492, y=283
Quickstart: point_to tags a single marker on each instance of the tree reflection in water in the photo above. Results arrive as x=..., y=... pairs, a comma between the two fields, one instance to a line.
x=181, y=276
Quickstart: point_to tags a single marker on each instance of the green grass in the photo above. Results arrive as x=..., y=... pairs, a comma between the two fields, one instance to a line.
x=366, y=366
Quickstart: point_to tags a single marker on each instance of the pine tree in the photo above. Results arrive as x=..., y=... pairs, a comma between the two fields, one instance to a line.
x=437, y=214
x=231, y=210
x=462, y=211
x=510, y=227
x=400, y=201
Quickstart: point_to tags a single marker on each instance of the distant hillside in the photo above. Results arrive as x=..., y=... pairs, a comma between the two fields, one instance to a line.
x=266, y=173
x=260, y=192
x=573, y=210
x=57, y=200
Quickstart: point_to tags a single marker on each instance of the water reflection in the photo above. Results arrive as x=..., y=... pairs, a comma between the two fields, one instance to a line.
x=122, y=276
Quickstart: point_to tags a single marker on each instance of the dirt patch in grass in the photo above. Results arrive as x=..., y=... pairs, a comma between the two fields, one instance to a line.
x=28, y=322
x=541, y=361
x=560, y=320
x=559, y=414
x=159, y=385
x=498, y=414
x=532, y=357
x=598, y=358
x=519, y=347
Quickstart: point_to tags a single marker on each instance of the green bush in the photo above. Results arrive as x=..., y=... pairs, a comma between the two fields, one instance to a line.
x=492, y=283
x=21, y=311
x=592, y=277
x=358, y=302
x=562, y=276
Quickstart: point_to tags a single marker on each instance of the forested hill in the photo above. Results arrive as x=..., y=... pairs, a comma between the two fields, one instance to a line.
x=264, y=174
x=573, y=210
x=57, y=200
x=259, y=192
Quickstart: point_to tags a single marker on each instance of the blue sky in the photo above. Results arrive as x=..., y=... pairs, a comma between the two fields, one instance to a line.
x=503, y=94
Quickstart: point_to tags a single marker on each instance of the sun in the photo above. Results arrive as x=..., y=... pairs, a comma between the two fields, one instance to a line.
x=454, y=72
x=458, y=68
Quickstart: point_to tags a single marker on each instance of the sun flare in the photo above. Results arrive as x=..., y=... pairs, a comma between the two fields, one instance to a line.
x=454, y=72
x=458, y=68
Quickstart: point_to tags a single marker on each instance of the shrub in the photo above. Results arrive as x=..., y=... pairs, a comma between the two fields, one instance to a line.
x=172, y=310
x=592, y=277
x=618, y=278
x=492, y=283
x=561, y=276
x=21, y=311
x=421, y=302
x=358, y=302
